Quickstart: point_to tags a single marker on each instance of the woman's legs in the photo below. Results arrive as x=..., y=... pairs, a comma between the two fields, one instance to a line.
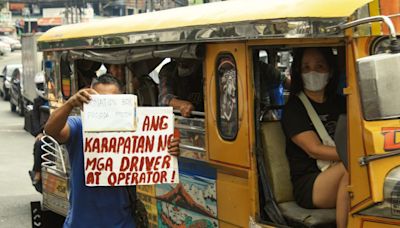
x=330, y=191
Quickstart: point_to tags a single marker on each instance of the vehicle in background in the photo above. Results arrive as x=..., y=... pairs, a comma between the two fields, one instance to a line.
x=5, y=79
x=31, y=62
x=16, y=99
x=14, y=43
x=5, y=48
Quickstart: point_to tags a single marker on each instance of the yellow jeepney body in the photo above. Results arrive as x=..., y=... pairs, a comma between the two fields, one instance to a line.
x=220, y=177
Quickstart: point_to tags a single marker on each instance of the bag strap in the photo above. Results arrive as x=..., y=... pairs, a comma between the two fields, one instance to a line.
x=319, y=127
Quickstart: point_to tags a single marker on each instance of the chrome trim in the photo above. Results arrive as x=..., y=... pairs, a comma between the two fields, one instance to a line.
x=190, y=128
x=192, y=148
x=361, y=21
x=249, y=30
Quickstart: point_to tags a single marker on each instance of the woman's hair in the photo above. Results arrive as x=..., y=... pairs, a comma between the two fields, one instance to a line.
x=107, y=79
x=296, y=84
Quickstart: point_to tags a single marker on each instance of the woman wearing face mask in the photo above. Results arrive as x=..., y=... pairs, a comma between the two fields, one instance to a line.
x=314, y=73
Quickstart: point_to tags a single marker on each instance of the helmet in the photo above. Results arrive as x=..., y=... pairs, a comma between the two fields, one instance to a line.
x=39, y=84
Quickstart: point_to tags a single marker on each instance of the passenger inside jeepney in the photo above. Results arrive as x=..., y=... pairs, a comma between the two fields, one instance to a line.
x=118, y=71
x=181, y=86
x=86, y=72
x=273, y=81
x=318, y=176
x=134, y=79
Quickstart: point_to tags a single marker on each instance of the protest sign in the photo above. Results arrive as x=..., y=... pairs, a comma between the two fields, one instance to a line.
x=110, y=113
x=132, y=158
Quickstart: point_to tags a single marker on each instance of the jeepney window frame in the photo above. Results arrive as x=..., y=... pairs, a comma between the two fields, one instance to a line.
x=71, y=66
x=235, y=109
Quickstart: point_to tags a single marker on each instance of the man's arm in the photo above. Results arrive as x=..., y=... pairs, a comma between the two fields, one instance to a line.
x=57, y=126
x=185, y=107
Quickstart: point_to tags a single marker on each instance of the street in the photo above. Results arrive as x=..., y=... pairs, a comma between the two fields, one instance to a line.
x=15, y=160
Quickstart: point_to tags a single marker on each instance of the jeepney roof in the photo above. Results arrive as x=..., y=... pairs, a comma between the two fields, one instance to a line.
x=210, y=15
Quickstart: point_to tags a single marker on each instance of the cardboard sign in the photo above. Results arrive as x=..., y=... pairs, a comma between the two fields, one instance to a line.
x=110, y=113
x=132, y=158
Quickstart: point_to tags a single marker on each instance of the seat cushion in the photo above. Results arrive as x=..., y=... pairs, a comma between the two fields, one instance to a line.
x=301, y=217
x=276, y=162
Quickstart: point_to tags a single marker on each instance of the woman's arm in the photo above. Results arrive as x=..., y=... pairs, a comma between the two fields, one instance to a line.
x=312, y=145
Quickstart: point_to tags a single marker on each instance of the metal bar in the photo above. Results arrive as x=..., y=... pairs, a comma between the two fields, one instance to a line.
x=367, y=159
x=193, y=148
x=190, y=128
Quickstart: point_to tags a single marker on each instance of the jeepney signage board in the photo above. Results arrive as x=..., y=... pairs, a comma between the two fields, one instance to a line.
x=121, y=158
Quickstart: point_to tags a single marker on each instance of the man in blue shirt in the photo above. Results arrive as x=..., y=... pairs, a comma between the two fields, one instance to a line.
x=94, y=207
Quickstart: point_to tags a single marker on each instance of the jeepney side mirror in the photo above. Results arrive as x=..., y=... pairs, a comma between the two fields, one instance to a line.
x=377, y=78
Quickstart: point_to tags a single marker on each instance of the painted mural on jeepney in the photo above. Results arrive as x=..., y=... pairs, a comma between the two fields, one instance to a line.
x=194, y=193
x=193, y=201
x=171, y=216
x=227, y=93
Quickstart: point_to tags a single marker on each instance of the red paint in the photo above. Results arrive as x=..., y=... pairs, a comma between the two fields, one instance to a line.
x=93, y=177
x=173, y=177
x=99, y=164
x=129, y=178
x=139, y=164
x=164, y=141
x=125, y=145
x=155, y=123
x=390, y=142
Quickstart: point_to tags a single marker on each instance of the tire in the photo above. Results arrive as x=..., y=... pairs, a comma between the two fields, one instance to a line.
x=21, y=108
x=13, y=107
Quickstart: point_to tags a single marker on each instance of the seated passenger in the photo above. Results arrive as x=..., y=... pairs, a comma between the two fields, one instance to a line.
x=181, y=86
x=314, y=72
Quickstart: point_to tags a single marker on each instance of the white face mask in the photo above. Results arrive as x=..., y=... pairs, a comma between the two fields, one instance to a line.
x=315, y=81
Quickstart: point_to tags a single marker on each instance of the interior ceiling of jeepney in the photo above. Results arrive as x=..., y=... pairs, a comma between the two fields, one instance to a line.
x=241, y=16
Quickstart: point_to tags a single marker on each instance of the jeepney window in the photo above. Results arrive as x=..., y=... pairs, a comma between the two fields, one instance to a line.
x=66, y=80
x=227, y=96
x=85, y=72
x=272, y=67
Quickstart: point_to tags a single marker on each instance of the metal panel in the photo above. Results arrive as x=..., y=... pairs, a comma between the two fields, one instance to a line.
x=377, y=77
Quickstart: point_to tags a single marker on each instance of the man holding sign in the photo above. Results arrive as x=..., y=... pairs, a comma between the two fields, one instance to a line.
x=92, y=206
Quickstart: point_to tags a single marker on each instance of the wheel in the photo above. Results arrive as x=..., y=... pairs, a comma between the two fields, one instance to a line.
x=13, y=107
x=21, y=108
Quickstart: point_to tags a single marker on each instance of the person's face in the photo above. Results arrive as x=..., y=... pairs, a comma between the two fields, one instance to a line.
x=313, y=60
x=106, y=89
x=118, y=72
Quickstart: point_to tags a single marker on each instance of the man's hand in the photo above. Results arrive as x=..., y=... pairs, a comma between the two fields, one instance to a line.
x=39, y=136
x=173, y=148
x=81, y=97
x=186, y=108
